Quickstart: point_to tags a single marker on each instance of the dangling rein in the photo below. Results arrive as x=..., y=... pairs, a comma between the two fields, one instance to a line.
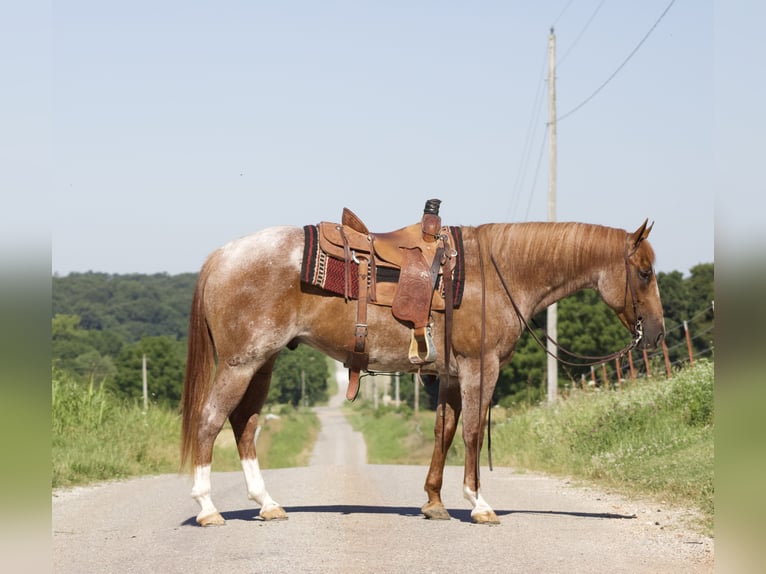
x=638, y=334
x=638, y=331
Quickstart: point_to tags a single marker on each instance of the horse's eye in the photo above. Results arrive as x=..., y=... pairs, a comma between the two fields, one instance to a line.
x=645, y=274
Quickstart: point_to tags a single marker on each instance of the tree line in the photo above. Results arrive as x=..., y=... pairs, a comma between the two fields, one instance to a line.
x=104, y=324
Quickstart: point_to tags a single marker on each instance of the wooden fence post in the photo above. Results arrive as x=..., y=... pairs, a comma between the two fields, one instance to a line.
x=646, y=364
x=619, y=373
x=689, y=343
x=667, y=358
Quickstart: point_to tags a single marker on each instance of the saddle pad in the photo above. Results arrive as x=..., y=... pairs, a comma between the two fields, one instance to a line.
x=328, y=273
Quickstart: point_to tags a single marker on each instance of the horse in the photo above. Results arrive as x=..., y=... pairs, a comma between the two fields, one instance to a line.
x=249, y=305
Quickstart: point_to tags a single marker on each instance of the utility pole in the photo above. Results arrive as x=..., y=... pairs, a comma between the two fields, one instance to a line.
x=145, y=385
x=552, y=314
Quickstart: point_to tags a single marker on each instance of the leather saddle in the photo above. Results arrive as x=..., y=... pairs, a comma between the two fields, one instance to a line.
x=419, y=253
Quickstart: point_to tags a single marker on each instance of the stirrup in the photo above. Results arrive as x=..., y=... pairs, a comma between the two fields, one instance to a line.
x=422, y=349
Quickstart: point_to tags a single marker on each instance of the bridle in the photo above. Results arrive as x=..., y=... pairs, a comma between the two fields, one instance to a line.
x=638, y=330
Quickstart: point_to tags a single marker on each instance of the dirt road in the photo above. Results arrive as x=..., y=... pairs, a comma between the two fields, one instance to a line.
x=348, y=516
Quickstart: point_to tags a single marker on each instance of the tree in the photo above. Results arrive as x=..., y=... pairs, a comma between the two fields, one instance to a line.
x=701, y=290
x=130, y=306
x=520, y=381
x=701, y=287
x=68, y=341
x=674, y=295
x=165, y=360
x=295, y=370
x=687, y=299
x=95, y=367
x=428, y=390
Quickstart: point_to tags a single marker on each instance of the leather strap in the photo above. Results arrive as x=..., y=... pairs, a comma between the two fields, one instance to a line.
x=448, y=266
x=357, y=359
x=347, y=259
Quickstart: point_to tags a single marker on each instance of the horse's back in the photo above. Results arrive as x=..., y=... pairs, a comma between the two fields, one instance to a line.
x=270, y=246
x=250, y=280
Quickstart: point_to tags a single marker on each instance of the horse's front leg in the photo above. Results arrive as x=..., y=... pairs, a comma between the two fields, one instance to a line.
x=447, y=415
x=476, y=401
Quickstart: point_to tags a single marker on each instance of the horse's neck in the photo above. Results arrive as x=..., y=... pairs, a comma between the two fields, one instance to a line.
x=547, y=262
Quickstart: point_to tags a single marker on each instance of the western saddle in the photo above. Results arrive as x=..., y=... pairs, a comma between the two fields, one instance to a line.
x=420, y=252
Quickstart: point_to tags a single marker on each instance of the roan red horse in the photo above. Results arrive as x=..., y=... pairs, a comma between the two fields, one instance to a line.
x=250, y=303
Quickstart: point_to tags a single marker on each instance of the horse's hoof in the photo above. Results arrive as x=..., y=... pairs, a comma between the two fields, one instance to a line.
x=273, y=513
x=435, y=511
x=485, y=518
x=214, y=519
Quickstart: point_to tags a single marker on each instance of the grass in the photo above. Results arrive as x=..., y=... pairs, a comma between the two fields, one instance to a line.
x=285, y=440
x=396, y=435
x=97, y=437
x=654, y=438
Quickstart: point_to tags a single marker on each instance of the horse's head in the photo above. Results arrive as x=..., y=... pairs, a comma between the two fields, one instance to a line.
x=636, y=300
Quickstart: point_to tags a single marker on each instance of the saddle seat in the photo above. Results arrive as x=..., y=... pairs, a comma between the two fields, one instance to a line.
x=420, y=252
x=396, y=250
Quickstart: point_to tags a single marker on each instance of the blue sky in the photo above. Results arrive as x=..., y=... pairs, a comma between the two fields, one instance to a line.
x=171, y=128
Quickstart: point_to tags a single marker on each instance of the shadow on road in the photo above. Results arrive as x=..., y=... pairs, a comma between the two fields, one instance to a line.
x=463, y=515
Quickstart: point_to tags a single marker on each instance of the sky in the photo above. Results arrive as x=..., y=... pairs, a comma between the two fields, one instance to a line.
x=169, y=129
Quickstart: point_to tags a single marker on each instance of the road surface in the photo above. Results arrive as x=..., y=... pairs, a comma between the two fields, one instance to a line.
x=346, y=516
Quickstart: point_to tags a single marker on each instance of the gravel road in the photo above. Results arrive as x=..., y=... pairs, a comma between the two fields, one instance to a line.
x=349, y=516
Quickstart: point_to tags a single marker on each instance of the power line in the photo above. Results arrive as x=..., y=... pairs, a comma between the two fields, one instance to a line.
x=568, y=4
x=690, y=320
x=620, y=67
x=537, y=171
x=521, y=174
x=580, y=35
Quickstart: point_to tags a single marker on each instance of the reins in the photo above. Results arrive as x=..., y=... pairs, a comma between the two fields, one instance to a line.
x=591, y=360
x=481, y=373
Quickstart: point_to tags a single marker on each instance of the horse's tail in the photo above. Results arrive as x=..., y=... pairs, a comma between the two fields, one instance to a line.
x=200, y=364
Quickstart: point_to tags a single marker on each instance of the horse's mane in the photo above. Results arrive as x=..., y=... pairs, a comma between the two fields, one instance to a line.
x=573, y=246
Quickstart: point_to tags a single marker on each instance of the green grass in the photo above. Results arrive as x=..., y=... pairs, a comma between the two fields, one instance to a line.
x=396, y=436
x=97, y=437
x=289, y=440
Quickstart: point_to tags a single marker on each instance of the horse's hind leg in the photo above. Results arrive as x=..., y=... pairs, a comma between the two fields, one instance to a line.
x=228, y=388
x=447, y=415
x=244, y=422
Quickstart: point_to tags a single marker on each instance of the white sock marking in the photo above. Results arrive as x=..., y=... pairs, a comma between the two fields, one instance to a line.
x=256, y=487
x=201, y=490
x=480, y=505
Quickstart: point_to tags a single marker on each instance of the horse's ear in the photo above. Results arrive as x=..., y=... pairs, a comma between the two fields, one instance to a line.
x=641, y=233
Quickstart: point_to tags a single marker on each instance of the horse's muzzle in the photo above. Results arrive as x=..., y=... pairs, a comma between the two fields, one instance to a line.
x=653, y=335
